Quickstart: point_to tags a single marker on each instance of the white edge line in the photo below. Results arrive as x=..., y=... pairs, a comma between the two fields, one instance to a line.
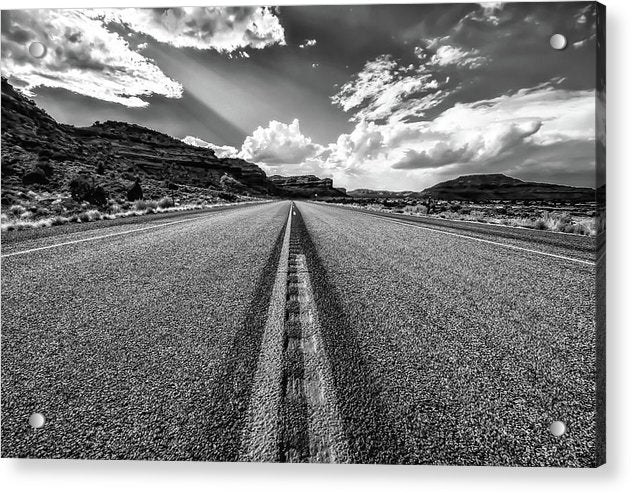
x=507, y=245
x=465, y=221
x=83, y=240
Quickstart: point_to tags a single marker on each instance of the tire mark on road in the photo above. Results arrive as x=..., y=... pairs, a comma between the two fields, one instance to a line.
x=293, y=414
x=372, y=435
x=261, y=432
x=223, y=417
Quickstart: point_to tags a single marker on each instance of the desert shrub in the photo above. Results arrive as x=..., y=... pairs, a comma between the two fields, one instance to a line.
x=46, y=167
x=84, y=217
x=165, y=202
x=539, y=223
x=227, y=196
x=146, y=205
x=35, y=176
x=74, y=218
x=17, y=210
x=99, y=196
x=83, y=190
x=94, y=215
x=135, y=192
x=414, y=209
x=478, y=216
x=80, y=188
x=58, y=220
x=100, y=168
x=230, y=184
x=170, y=185
x=455, y=207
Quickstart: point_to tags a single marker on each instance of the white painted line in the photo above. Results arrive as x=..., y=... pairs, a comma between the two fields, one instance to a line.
x=259, y=441
x=450, y=220
x=506, y=245
x=93, y=238
x=327, y=443
x=22, y=252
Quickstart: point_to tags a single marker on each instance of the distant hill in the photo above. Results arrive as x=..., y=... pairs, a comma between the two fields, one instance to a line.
x=306, y=186
x=502, y=187
x=367, y=193
x=486, y=187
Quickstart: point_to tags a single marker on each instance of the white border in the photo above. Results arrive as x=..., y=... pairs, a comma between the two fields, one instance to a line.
x=102, y=476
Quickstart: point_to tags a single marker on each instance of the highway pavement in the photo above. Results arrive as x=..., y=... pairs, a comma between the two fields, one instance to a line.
x=440, y=343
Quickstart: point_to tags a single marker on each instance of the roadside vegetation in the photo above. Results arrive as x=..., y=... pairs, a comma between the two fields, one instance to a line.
x=580, y=219
x=86, y=202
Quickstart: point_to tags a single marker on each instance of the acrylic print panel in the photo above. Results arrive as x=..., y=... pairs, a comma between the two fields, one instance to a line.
x=345, y=234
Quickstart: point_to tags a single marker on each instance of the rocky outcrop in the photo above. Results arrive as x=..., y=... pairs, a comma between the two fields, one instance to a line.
x=116, y=152
x=306, y=186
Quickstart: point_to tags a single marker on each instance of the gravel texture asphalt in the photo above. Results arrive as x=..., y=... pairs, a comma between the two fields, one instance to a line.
x=141, y=345
x=143, y=342
x=582, y=247
x=451, y=351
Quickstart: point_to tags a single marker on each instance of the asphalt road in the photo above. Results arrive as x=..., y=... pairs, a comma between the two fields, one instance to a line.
x=452, y=350
x=445, y=344
x=140, y=345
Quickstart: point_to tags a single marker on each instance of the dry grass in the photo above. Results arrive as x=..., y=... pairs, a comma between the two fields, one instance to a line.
x=12, y=223
x=562, y=222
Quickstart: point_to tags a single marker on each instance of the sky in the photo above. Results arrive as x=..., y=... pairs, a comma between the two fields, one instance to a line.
x=396, y=97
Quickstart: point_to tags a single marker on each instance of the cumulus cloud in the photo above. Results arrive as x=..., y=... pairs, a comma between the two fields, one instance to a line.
x=502, y=134
x=487, y=12
x=223, y=29
x=278, y=143
x=476, y=146
x=82, y=57
x=221, y=152
x=307, y=43
x=531, y=132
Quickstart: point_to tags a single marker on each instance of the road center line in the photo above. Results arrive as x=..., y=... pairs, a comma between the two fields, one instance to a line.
x=327, y=443
x=261, y=431
x=507, y=245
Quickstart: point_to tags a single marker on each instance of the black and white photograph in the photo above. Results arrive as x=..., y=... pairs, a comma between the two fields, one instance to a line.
x=342, y=234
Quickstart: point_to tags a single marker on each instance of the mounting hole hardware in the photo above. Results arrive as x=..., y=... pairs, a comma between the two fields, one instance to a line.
x=558, y=41
x=36, y=420
x=37, y=49
x=557, y=428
